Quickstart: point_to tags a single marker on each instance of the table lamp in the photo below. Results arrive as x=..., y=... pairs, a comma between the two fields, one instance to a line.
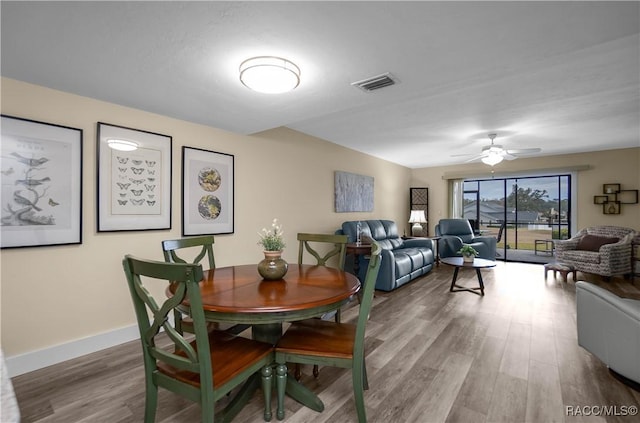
x=417, y=218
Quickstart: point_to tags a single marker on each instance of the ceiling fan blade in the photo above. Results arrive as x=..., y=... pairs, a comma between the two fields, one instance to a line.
x=524, y=151
x=461, y=155
x=508, y=156
x=473, y=159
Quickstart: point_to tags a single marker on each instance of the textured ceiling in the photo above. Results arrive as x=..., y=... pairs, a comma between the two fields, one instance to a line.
x=560, y=76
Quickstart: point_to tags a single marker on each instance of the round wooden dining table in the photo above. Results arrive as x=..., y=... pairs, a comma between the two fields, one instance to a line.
x=238, y=294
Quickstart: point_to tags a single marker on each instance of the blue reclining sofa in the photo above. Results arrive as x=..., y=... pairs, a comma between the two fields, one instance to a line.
x=402, y=260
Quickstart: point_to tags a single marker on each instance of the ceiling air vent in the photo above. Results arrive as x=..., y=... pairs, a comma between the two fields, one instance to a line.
x=375, y=83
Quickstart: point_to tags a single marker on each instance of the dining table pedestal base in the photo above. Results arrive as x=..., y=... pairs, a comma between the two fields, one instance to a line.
x=271, y=333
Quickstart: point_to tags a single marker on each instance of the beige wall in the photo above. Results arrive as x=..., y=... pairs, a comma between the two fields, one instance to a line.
x=54, y=295
x=611, y=166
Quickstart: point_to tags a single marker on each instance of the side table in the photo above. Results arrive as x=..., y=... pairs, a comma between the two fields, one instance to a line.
x=357, y=250
x=436, y=246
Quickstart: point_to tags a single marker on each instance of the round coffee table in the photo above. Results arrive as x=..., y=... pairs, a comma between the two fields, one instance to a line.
x=476, y=264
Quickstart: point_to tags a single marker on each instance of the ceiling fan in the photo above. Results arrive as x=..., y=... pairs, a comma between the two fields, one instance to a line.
x=493, y=154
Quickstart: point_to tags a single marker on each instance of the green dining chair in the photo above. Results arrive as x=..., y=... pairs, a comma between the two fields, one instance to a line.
x=170, y=248
x=317, y=245
x=204, y=369
x=316, y=341
x=311, y=243
x=203, y=246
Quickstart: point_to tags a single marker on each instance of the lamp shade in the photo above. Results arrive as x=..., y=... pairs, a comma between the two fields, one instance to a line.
x=269, y=74
x=417, y=216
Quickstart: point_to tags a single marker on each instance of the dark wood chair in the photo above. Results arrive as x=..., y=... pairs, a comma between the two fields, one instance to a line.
x=337, y=249
x=316, y=341
x=204, y=369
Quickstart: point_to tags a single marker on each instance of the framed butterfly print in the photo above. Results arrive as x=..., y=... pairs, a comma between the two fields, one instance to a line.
x=134, y=179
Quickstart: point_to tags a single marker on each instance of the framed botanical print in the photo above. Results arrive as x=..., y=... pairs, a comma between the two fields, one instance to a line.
x=41, y=193
x=134, y=179
x=207, y=192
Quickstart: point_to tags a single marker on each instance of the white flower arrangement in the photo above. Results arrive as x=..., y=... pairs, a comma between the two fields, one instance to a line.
x=272, y=239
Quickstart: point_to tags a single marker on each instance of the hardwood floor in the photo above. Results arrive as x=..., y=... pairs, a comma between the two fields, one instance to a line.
x=432, y=356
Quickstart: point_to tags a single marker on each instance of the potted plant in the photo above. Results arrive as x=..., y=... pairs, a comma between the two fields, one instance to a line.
x=468, y=253
x=272, y=239
x=273, y=267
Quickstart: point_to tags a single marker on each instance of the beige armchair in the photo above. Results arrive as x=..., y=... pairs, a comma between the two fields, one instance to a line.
x=601, y=250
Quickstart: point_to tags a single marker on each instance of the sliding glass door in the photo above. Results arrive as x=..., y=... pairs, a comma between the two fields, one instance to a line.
x=527, y=213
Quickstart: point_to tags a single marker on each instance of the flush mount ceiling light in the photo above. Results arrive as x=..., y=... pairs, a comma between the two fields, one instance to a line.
x=122, y=145
x=269, y=74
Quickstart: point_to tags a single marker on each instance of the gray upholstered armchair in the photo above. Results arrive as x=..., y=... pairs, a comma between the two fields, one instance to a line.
x=609, y=328
x=458, y=232
x=601, y=250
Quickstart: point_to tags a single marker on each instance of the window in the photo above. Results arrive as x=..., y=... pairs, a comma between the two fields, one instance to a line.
x=533, y=208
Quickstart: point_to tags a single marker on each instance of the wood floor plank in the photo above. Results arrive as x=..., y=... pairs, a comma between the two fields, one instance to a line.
x=400, y=401
x=477, y=389
x=543, y=346
x=396, y=371
x=515, y=360
x=509, y=400
x=436, y=400
x=465, y=415
x=432, y=356
x=543, y=388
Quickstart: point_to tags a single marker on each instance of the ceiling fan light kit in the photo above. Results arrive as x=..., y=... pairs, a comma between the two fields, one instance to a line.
x=493, y=154
x=492, y=158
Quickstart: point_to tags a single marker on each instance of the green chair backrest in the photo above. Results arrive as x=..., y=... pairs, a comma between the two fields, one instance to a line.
x=153, y=316
x=311, y=243
x=169, y=248
x=366, y=299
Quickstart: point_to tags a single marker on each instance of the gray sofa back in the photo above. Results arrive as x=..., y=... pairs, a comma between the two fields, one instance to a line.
x=385, y=232
x=402, y=260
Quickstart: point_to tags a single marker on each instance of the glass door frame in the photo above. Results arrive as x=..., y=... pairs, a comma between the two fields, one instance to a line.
x=560, y=227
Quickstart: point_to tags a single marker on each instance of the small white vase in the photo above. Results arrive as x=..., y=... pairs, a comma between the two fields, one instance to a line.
x=468, y=259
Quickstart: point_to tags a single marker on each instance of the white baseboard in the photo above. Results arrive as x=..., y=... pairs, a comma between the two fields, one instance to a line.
x=35, y=360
